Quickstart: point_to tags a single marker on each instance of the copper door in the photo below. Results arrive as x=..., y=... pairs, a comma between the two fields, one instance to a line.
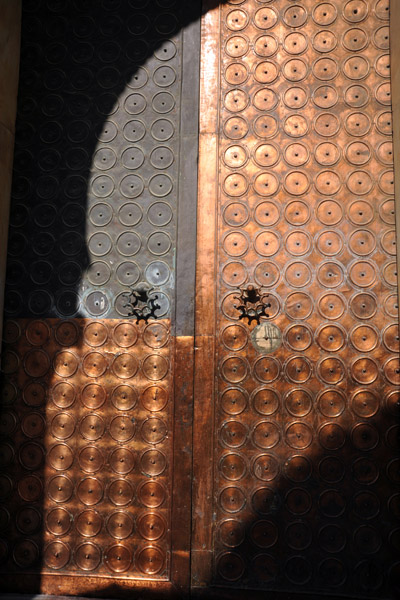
x=95, y=426
x=298, y=338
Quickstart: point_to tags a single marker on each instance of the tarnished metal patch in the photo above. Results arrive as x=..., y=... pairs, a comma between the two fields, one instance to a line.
x=266, y=338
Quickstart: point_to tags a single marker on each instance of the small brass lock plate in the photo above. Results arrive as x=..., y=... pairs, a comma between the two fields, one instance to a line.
x=266, y=338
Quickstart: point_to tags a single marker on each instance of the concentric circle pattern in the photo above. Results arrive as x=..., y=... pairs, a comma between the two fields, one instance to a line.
x=103, y=164
x=306, y=191
x=88, y=446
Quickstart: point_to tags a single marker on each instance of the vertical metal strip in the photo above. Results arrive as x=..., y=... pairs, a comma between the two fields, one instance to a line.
x=205, y=298
x=10, y=32
x=395, y=81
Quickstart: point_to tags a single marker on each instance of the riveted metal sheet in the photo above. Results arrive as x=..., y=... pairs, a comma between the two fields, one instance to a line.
x=86, y=448
x=303, y=488
x=96, y=170
x=107, y=107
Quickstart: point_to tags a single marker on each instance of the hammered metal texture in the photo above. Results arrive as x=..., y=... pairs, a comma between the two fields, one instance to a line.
x=86, y=448
x=94, y=194
x=306, y=460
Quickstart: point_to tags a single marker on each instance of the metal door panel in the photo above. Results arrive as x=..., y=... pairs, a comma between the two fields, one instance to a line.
x=94, y=481
x=302, y=493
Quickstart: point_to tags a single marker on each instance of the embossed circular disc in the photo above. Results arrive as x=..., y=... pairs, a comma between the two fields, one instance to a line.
x=324, y=41
x=265, y=401
x=87, y=556
x=67, y=333
x=298, y=435
x=120, y=525
x=90, y=491
x=236, y=46
x=93, y=396
x=266, y=213
x=298, y=469
x=236, y=20
x=331, y=436
x=95, y=334
x=266, y=435
x=295, y=126
x=60, y=488
x=267, y=243
x=62, y=426
x=364, y=338
x=32, y=425
x=295, y=69
x=265, y=467
x=363, y=305
x=331, y=469
x=150, y=560
x=65, y=364
x=295, y=42
x=94, y=364
x=56, y=555
x=266, y=369
x=329, y=212
x=58, y=521
x=330, y=274
x=233, y=401
x=264, y=500
x=125, y=365
x=36, y=363
x=235, y=156
x=297, y=212
x=329, y=243
x=331, y=370
x=296, y=183
x=326, y=124
x=60, y=457
x=365, y=403
x=28, y=520
x=236, y=214
x=265, y=99
x=88, y=523
x=296, y=154
x=265, y=126
x=37, y=333
x=362, y=273
x=153, y=463
x=266, y=45
x=298, y=337
x=331, y=403
x=236, y=74
x=298, y=402
x=265, y=18
x=234, y=337
x=325, y=96
x=327, y=154
x=298, y=243
x=298, y=305
x=391, y=338
x=155, y=367
x=151, y=526
x=151, y=494
x=91, y=459
x=231, y=532
x=364, y=436
x=232, y=499
x=388, y=242
x=298, y=274
x=125, y=335
x=233, y=434
x=92, y=427
x=121, y=492
x=236, y=128
x=364, y=370
x=264, y=534
x=232, y=467
x=330, y=337
x=154, y=431
x=298, y=501
x=30, y=488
